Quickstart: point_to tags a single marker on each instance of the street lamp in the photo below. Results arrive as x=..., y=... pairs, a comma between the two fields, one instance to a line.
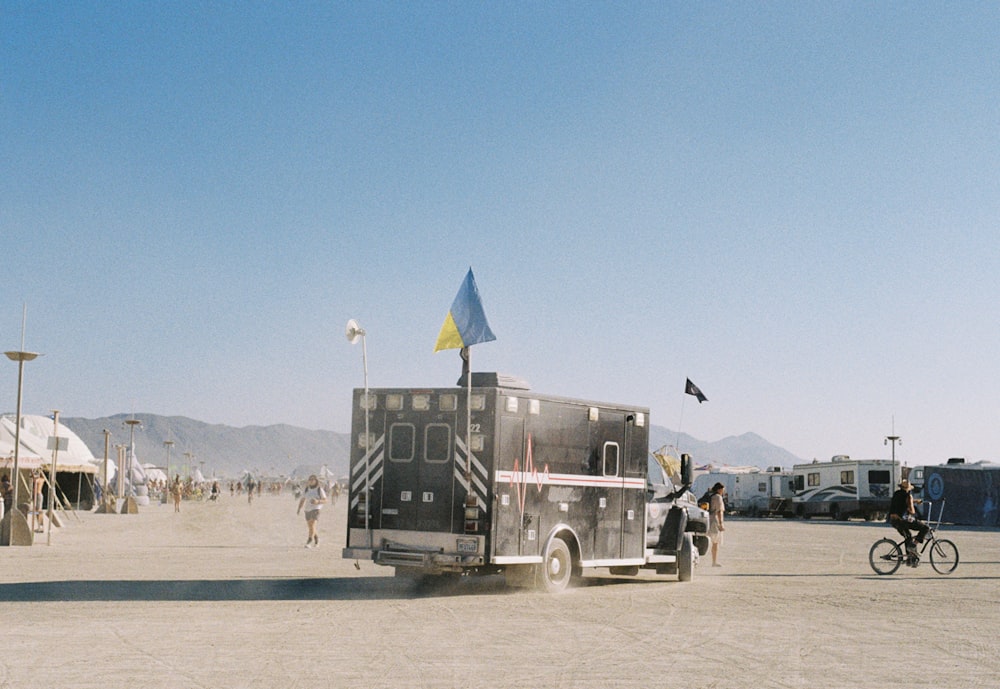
x=167, y=444
x=120, y=472
x=20, y=358
x=893, y=439
x=131, y=423
x=104, y=472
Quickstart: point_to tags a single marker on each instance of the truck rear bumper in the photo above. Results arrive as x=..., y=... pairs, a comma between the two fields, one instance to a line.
x=430, y=552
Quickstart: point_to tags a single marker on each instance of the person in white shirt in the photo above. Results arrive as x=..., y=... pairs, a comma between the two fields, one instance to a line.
x=716, y=520
x=313, y=499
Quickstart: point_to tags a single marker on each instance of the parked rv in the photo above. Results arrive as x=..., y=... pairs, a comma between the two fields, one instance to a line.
x=751, y=491
x=542, y=488
x=844, y=487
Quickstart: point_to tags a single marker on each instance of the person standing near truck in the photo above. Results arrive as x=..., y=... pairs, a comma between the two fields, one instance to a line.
x=716, y=520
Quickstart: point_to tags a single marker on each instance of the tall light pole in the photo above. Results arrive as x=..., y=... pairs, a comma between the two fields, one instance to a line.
x=52, y=473
x=20, y=358
x=893, y=439
x=120, y=474
x=104, y=469
x=132, y=423
x=167, y=444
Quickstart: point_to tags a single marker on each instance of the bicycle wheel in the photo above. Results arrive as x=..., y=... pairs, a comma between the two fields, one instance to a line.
x=885, y=557
x=944, y=556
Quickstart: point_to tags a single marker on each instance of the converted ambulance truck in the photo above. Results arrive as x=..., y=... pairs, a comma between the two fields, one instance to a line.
x=543, y=488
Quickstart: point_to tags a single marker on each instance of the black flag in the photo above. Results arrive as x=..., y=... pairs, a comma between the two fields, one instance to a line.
x=692, y=389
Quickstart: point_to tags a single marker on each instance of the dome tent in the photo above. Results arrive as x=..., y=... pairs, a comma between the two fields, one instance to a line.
x=75, y=465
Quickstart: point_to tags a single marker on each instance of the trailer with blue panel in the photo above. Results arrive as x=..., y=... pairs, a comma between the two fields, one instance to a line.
x=971, y=491
x=498, y=479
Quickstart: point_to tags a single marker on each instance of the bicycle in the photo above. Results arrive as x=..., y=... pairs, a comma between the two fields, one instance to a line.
x=886, y=555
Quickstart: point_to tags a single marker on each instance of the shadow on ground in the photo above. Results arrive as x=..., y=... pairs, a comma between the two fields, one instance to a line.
x=353, y=588
x=274, y=589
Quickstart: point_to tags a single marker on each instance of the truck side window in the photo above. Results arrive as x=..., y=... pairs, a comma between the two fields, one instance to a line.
x=401, y=442
x=610, y=459
x=437, y=442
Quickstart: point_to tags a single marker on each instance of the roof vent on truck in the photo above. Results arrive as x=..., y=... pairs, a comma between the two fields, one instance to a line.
x=491, y=379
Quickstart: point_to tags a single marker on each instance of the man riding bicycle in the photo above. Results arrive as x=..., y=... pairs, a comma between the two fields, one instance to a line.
x=903, y=517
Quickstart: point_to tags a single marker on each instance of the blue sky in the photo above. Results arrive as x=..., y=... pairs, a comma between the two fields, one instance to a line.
x=794, y=204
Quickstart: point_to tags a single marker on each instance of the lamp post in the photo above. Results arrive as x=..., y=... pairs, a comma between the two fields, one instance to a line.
x=104, y=470
x=20, y=358
x=131, y=423
x=120, y=472
x=893, y=439
x=167, y=444
x=52, y=473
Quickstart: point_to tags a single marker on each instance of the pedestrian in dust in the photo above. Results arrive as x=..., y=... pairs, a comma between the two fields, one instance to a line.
x=314, y=496
x=175, y=492
x=716, y=520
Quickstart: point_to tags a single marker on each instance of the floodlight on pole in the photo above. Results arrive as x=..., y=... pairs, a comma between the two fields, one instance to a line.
x=354, y=331
x=893, y=439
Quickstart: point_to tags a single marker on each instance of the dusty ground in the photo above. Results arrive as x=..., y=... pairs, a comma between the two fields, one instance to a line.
x=225, y=595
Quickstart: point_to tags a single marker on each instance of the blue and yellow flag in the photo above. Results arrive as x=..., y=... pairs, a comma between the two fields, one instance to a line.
x=466, y=323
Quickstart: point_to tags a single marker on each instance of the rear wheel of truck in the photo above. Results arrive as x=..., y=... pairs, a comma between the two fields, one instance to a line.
x=556, y=569
x=685, y=559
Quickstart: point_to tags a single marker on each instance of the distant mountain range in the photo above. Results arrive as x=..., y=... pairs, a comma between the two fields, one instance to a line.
x=748, y=449
x=218, y=450
x=228, y=451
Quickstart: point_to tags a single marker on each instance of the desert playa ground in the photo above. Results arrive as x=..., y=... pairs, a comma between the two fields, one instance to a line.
x=225, y=595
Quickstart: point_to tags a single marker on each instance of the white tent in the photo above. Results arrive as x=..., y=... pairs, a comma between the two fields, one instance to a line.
x=34, y=453
x=35, y=434
x=154, y=473
x=304, y=471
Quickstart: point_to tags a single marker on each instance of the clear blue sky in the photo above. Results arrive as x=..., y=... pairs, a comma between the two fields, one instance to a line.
x=796, y=205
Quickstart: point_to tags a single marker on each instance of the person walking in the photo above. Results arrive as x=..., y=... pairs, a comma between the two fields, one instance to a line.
x=37, y=501
x=6, y=495
x=315, y=497
x=716, y=520
x=175, y=492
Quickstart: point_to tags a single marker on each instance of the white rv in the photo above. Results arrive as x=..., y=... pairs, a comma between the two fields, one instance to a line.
x=751, y=490
x=844, y=487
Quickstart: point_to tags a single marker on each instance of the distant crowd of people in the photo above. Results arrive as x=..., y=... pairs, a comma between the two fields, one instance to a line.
x=187, y=489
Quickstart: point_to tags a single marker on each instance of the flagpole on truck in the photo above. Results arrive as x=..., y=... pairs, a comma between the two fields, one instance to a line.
x=466, y=354
x=689, y=389
x=464, y=326
x=354, y=331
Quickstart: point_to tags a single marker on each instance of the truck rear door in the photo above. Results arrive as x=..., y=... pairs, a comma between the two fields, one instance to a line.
x=418, y=485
